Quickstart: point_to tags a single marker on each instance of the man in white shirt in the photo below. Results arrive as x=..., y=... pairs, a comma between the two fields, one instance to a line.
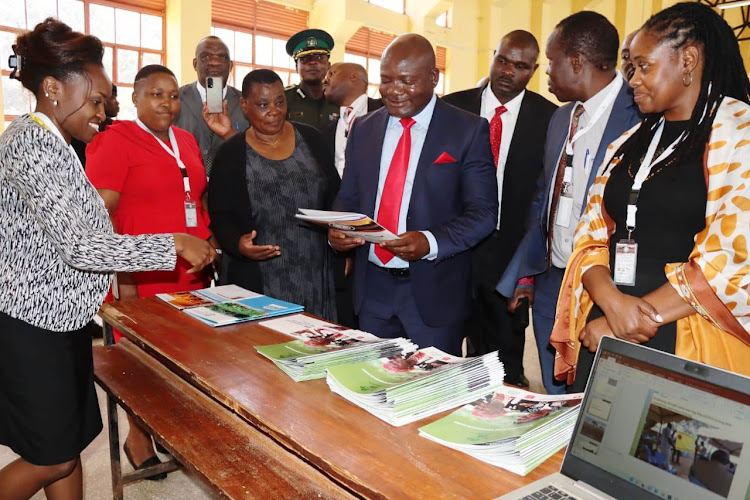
x=211, y=59
x=582, y=53
x=345, y=86
x=518, y=129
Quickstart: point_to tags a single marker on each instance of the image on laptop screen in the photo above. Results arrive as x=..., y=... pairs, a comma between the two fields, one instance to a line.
x=674, y=436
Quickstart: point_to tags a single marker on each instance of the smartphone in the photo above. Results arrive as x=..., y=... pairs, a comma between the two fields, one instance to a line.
x=520, y=318
x=214, y=94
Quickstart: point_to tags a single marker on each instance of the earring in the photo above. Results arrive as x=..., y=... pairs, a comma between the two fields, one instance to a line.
x=689, y=81
x=46, y=94
x=54, y=102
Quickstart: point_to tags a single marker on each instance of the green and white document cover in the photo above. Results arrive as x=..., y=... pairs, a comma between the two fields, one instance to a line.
x=510, y=428
x=407, y=387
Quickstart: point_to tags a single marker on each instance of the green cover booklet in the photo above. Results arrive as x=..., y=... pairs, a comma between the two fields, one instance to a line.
x=510, y=428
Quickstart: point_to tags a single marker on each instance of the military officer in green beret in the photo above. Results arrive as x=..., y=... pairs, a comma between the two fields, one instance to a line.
x=305, y=101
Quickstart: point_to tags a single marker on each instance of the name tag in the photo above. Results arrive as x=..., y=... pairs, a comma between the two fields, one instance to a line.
x=191, y=214
x=626, y=258
x=565, y=202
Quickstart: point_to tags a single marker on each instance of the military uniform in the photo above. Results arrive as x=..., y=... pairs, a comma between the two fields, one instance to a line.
x=301, y=107
x=304, y=109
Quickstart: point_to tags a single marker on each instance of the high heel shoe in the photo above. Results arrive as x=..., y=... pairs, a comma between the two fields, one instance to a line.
x=146, y=463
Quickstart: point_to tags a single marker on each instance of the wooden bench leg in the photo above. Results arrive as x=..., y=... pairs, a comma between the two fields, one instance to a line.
x=114, y=448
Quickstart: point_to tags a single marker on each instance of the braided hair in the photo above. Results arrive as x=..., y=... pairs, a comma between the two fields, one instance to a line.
x=723, y=75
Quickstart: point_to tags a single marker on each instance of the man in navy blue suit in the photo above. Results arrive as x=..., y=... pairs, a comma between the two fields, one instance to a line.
x=424, y=170
x=582, y=54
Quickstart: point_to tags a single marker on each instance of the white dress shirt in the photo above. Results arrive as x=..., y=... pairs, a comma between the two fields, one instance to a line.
x=584, y=152
x=509, y=119
x=359, y=108
x=393, y=133
x=202, y=91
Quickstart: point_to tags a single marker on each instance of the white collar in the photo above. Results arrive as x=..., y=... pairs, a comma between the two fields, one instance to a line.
x=422, y=119
x=202, y=91
x=513, y=106
x=358, y=105
x=594, y=101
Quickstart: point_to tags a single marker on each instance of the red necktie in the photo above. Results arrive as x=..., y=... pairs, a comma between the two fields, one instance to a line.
x=393, y=189
x=348, y=121
x=560, y=174
x=496, y=132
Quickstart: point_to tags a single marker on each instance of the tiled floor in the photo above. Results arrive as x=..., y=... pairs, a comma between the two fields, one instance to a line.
x=178, y=485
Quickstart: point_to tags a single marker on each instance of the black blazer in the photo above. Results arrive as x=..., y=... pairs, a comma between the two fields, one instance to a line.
x=522, y=169
x=230, y=208
x=329, y=131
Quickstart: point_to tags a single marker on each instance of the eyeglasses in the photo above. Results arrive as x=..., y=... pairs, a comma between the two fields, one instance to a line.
x=313, y=57
x=207, y=57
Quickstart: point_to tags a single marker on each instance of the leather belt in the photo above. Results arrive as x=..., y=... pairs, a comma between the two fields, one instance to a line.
x=399, y=272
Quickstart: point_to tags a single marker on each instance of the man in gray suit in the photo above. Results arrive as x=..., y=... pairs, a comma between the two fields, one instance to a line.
x=211, y=59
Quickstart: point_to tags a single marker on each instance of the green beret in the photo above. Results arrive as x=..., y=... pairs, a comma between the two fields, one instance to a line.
x=309, y=42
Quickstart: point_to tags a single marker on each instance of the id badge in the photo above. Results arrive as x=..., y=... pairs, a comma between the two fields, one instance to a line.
x=626, y=258
x=191, y=214
x=564, y=210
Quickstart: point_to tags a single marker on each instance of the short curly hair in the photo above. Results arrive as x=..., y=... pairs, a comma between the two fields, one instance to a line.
x=591, y=34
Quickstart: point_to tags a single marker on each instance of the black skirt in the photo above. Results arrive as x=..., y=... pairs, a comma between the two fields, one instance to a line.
x=49, y=411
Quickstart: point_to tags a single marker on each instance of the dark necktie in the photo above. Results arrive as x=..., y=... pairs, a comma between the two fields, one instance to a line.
x=393, y=189
x=561, y=173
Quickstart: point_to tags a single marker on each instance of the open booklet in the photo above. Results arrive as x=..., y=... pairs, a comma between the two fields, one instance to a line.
x=227, y=305
x=349, y=223
x=510, y=428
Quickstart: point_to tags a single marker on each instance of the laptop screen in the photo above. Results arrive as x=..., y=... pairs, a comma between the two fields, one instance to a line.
x=669, y=434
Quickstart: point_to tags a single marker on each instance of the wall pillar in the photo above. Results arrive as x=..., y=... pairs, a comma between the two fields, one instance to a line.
x=188, y=21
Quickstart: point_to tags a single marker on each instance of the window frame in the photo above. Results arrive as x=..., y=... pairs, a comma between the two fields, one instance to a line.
x=114, y=46
x=254, y=65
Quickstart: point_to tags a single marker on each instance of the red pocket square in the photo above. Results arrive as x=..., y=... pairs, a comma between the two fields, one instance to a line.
x=444, y=158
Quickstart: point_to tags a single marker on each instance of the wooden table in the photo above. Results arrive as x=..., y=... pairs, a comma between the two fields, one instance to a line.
x=347, y=446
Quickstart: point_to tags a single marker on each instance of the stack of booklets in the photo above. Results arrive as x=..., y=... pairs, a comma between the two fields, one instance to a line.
x=407, y=387
x=308, y=356
x=227, y=305
x=510, y=428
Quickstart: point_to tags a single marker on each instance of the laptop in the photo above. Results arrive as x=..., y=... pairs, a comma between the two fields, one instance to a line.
x=654, y=426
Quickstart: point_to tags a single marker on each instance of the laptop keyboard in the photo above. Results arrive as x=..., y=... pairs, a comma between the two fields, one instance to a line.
x=549, y=493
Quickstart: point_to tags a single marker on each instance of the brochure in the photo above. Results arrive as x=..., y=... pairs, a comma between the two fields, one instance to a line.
x=228, y=304
x=510, y=427
x=350, y=223
x=309, y=356
x=406, y=387
x=298, y=325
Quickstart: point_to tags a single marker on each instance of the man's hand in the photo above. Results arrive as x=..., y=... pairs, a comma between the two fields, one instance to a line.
x=343, y=243
x=593, y=332
x=412, y=245
x=257, y=252
x=219, y=123
x=518, y=295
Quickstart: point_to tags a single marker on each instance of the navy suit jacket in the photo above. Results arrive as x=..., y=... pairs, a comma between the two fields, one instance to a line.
x=531, y=256
x=456, y=201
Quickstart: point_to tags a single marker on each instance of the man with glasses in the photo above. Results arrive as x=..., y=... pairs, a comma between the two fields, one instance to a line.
x=211, y=60
x=305, y=101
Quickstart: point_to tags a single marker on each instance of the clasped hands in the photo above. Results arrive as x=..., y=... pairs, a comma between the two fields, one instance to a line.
x=410, y=246
x=625, y=317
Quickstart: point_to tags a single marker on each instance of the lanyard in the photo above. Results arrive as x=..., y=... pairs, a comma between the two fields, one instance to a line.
x=606, y=103
x=645, y=169
x=174, y=153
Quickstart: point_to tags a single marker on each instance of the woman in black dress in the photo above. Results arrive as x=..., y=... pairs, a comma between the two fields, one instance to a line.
x=654, y=192
x=258, y=181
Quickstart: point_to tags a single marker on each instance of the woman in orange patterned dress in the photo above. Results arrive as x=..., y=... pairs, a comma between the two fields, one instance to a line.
x=674, y=192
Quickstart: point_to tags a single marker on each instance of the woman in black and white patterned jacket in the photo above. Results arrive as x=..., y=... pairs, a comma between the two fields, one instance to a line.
x=57, y=255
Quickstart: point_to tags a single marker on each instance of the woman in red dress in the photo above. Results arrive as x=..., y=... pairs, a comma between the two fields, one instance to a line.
x=151, y=178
